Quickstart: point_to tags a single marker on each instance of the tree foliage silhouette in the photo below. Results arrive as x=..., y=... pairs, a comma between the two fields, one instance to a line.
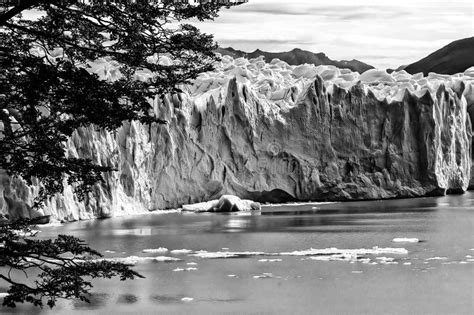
x=62, y=266
x=48, y=90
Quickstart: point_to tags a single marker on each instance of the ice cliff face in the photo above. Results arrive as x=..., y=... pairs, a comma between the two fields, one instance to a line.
x=274, y=132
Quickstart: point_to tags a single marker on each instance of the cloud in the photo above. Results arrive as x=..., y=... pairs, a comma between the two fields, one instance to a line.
x=381, y=33
x=273, y=10
x=263, y=42
x=342, y=12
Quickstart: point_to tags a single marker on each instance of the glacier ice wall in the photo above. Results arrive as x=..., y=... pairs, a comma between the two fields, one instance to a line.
x=274, y=133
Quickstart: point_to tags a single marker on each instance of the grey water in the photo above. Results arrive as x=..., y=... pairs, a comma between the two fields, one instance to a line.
x=436, y=276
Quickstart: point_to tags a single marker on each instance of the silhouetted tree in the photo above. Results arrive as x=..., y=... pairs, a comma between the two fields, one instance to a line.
x=62, y=266
x=47, y=91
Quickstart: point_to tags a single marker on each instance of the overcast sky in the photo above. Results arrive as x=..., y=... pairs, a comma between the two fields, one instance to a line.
x=383, y=33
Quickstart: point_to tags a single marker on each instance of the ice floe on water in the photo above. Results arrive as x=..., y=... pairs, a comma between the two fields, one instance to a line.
x=232, y=276
x=155, y=250
x=326, y=254
x=386, y=260
x=436, y=258
x=185, y=269
x=405, y=240
x=191, y=264
x=3, y=295
x=340, y=257
x=348, y=252
x=133, y=260
x=266, y=275
x=187, y=299
x=309, y=252
x=181, y=251
x=165, y=259
x=52, y=224
x=219, y=254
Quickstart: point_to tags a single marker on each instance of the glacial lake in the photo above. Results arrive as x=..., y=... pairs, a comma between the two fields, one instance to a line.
x=307, y=259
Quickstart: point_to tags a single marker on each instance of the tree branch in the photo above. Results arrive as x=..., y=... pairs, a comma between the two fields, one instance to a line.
x=25, y=4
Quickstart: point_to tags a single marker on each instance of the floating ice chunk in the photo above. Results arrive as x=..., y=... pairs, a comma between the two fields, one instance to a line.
x=357, y=271
x=3, y=295
x=264, y=275
x=133, y=260
x=52, y=224
x=191, y=269
x=232, y=276
x=360, y=251
x=187, y=299
x=181, y=251
x=165, y=259
x=155, y=250
x=405, y=240
x=338, y=257
x=205, y=254
x=191, y=264
x=436, y=258
x=109, y=252
x=178, y=269
x=407, y=263
x=270, y=260
x=387, y=261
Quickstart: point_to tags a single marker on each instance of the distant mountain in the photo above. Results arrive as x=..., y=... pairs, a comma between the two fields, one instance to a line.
x=453, y=58
x=298, y=57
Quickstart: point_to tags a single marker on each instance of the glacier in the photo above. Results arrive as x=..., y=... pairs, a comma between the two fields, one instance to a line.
x=271, y=132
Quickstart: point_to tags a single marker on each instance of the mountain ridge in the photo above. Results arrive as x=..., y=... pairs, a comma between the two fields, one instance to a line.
x=451, y=59
x=298, y=56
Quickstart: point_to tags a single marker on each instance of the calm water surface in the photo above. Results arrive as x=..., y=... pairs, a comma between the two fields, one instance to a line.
x=436, y=276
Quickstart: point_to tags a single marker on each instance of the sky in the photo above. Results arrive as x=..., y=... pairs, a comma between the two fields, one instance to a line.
x=382, y=33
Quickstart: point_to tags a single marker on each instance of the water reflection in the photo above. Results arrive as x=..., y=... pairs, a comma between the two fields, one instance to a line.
x=134, y=232
x=127, y=299
x=417, y=284
x=96, y=301
x=167, y=299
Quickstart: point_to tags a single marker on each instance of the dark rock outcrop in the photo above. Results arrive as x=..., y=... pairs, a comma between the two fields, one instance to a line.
x=453, y=58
